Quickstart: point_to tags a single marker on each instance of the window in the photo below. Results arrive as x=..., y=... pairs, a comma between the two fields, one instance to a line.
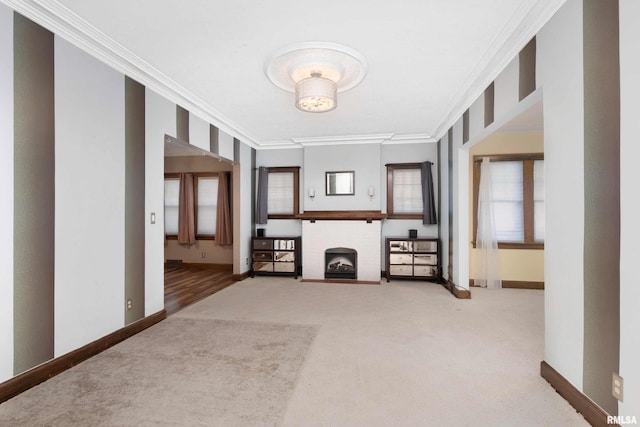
x=205, y=200
x=518, y=199
x=171, y=198
x=404, y=191
x=283, y=192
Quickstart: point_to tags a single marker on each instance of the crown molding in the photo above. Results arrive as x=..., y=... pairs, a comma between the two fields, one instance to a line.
x=343, y=139
x=418, y=138
x=382, y=139
x=521, y=28
x=66, y=24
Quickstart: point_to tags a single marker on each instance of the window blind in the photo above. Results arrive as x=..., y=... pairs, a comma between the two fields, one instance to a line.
x=507, y=196
x=207, y=205
x=280, y=193
x=538, y=200
x=171, y=198
x=407, y=191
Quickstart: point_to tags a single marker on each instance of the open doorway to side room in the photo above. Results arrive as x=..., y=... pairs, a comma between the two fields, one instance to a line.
x=193, y=272
x=520, y=142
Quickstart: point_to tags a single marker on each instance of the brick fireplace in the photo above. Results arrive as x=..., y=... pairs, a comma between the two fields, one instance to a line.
x=362, y=236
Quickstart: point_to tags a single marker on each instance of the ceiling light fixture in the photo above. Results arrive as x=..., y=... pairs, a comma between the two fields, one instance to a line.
x=316, y=72
x=316, y=94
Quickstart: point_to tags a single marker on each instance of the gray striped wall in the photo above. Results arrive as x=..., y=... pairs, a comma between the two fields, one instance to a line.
x=134, y=199
x=601, y=352
x=602, y=201
x=34, y=194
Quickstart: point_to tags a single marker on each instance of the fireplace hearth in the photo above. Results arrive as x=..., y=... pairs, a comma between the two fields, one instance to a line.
x=341, y=263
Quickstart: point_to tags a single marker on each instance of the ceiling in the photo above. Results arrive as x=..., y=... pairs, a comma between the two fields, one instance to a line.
x=427, y=60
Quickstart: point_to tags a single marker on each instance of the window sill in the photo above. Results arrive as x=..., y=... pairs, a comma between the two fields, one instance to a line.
x=198, y=237
x=404, y=216
x=281, y=216
x=516, y=245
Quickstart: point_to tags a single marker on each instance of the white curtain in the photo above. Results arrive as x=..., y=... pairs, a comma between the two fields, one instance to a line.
x=487, y=263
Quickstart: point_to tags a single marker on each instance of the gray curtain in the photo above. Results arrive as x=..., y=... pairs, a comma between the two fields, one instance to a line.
x=224, y=232
x=261, y=203
x=186, y=214
x=428, y=203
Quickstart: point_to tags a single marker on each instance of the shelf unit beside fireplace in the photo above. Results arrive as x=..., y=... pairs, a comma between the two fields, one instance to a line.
x=413, y=258
x=276, y=256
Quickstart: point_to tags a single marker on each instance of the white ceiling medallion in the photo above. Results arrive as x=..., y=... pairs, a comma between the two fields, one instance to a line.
x=316, y=72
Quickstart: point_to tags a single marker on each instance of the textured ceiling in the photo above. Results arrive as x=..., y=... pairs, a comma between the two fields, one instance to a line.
x=427, y=59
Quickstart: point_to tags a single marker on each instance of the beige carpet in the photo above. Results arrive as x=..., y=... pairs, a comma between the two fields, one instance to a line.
x=181, y=372
x=277, y=351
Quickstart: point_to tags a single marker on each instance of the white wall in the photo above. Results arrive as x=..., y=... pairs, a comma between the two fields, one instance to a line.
x=476, y=116
x=560, y=74
x=505, y=97
x=630, y=206
x=242, y=202
x=160, y=119
x=199, y=133
x=89, y=212
x=444, y=200
x=460, y=268
x=361, y=158
x=6, y=190
x=225, y=145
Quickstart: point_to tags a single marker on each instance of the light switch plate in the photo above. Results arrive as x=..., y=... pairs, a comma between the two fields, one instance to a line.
x=153, y=217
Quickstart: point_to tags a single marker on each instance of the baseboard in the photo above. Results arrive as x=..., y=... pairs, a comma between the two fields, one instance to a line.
x=516, y=284
x=41, y=373
x=202, y=265
x=593, y=413
x=241, y=277
x=455, y=290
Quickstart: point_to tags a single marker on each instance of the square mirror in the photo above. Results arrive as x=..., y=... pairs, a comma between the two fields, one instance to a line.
x=340, y=183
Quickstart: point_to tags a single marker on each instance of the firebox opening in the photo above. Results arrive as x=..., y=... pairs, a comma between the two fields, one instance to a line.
x=341, y=263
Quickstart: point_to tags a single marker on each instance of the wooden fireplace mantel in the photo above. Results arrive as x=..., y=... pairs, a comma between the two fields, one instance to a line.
x=342, y=215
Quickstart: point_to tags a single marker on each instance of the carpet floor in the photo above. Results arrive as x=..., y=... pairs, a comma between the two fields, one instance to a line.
x=180, y=372
x=274, y=351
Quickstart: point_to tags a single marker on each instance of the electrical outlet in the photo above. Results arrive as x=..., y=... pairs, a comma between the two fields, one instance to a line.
x=617, y=387
x=204, y=254
x=246, y=261
x=129, y=304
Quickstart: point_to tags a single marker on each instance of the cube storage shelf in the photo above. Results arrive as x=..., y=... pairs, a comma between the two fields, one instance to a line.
x=413, y=258
x=276, y=256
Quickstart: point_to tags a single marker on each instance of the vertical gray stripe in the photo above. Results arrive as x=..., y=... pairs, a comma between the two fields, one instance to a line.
x=214, y=145
x=465, y=127
x=182, y=124
x=253, y=188
x=439, y=201
x=450, y=207
x=236, y=150
x=489, y=104
x=602, y=201
x=527, y=66
x=134, y=199
x=34, y=194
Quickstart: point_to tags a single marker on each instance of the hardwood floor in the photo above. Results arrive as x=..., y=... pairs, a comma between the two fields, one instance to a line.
x=189, y=283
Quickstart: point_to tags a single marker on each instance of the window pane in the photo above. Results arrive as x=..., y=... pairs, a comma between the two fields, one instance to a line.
x=407, y=191
x=207, y=205
x=280, y=193
x=171, y=198
x=507, y=194
x=538, y=200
